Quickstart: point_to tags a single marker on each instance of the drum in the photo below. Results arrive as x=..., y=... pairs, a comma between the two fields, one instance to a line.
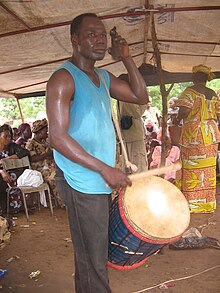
x=143, y=218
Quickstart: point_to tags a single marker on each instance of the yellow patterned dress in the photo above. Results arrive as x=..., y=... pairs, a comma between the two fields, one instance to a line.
x=199, y=144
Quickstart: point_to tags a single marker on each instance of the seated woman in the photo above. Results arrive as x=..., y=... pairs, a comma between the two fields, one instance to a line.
x=24, y=133
x=41, y=156
x=153, y=144
x=8, y=149
x=172, y=156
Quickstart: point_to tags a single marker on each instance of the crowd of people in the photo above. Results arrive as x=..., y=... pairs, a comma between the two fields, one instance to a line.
x=32, y=141
x=85, y=153
x=144, y=134
x=192, y=137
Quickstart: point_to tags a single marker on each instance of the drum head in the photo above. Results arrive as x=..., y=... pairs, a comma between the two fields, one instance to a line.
x=156, y=208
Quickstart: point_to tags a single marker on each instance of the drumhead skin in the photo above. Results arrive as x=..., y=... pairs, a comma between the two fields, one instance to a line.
x=156, y=209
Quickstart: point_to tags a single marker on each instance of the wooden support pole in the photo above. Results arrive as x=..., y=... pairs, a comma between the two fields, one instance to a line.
x=20, y=111
x=164, y=93
x=146, y=30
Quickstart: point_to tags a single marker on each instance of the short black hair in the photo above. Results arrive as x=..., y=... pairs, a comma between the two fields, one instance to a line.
x=6, y=127
x=77, y=21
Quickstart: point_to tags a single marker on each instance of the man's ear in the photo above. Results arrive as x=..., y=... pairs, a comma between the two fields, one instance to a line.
x=74, y=39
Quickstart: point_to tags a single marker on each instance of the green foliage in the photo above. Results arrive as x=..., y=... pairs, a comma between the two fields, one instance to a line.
x=154, y=91
x=29, y=106
x=9, y=108
x=214, y=84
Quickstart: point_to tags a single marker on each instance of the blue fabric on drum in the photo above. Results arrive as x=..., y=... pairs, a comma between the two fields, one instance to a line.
x=124, y=248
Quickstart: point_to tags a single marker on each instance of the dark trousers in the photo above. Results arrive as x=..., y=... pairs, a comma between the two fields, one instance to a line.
x=88, y=219
x=3, y=196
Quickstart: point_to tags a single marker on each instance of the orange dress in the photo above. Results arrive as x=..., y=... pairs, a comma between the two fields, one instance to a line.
x=199, y=144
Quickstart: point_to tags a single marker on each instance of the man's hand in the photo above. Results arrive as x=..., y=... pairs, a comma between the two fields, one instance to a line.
x=120, y=48
x=115, y=178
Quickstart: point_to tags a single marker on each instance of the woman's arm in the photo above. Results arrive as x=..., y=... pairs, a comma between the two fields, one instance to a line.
x=5, y=176
x=16, y=150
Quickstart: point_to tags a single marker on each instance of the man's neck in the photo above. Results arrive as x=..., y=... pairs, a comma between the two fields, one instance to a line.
x=83, y=64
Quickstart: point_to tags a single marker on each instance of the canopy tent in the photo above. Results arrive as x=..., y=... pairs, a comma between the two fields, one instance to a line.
x=34, y=38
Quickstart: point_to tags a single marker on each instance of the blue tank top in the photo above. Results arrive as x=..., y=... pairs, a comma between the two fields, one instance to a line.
x=91, y=126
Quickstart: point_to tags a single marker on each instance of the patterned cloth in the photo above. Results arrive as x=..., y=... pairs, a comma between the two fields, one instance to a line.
x=38, y=125
x=46, y=167
x=199, y=144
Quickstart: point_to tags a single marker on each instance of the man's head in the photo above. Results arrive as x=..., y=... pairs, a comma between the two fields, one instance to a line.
x=88, y=37
x=77, y=22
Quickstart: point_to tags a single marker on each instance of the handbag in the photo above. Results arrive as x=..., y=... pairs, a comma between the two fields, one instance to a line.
x=126, y=122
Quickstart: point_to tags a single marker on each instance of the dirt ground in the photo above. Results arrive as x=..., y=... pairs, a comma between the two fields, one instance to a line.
x=44, y=245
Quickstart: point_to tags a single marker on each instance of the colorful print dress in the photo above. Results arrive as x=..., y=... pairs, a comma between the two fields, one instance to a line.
x=46, y=166
x=199, y=144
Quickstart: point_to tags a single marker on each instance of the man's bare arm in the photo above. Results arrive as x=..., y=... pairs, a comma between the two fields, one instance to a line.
x=60, y=90
x=133, y=91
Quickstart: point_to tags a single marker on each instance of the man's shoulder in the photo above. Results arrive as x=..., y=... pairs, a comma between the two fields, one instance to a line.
x=69, y=66
x=66, y=71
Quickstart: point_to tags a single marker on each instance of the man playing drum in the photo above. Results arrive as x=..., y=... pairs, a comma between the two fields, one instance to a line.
x=83, y=137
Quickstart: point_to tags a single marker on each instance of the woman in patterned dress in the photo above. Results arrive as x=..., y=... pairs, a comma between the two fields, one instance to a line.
x=42, y=156
x=199, y=108
x=24, y=133
x=8, y=149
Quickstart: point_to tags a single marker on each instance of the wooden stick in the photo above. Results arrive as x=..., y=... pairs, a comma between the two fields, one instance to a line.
x=156, y=171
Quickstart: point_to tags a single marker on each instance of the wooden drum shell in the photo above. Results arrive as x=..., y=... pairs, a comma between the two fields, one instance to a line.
x=144, y=218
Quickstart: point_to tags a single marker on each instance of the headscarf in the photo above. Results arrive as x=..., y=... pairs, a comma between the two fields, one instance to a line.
x=22, y=127
x=38, y=125
x=204, y=69
x=148, y=123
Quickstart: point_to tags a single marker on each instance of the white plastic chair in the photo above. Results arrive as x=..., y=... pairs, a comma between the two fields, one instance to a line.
x=14, y=163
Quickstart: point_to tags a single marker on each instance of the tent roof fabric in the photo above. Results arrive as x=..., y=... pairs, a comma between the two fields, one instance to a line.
x=35, y=38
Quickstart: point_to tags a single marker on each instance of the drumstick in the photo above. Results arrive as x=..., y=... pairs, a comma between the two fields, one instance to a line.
x=156, y=171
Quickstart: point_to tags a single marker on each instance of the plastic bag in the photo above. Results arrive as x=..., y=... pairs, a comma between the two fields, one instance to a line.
x=2, y=273
x=195, y=242
x=192, y=238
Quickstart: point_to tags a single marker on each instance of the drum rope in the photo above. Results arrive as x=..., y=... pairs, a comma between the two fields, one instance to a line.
x=165, y=284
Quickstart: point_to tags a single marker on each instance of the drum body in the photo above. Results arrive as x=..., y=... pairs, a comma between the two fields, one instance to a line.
x=143, y=218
